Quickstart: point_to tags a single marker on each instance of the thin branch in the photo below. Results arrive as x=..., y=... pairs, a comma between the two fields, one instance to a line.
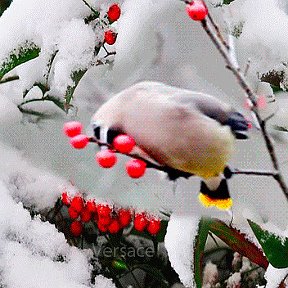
x=178, y=173
x=254, y=172
x=218, y=32
x=91, y=8
x=108, y=53
x=253, y=98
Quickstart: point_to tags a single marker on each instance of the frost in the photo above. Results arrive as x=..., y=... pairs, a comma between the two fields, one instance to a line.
x=210, y=275
x=234, y=281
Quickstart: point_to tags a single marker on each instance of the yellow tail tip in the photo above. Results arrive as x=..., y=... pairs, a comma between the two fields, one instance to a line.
x=222, y=204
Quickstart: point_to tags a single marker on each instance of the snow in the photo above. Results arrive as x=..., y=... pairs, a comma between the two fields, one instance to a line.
x=32, y=247
x=210, y=275
x=275, y=276
x=101, y=281
x=179, y=242
x=156, y=41
x=56, y=25
x=234, y=281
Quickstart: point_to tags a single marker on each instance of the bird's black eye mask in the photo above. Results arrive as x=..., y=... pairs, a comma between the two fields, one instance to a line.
x=107, y=135
x=97, y=132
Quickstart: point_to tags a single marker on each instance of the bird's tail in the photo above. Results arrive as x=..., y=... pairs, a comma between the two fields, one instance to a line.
x=214, y=192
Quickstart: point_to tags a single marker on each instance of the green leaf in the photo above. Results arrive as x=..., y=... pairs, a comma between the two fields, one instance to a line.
x=19, y=56
x=76, y=77
x=237, y=242
x=199, y=246
x=227, y=2
x=161, y=234
x=275, y=247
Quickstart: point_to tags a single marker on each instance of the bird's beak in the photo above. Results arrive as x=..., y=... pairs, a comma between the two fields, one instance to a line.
x=242, y=135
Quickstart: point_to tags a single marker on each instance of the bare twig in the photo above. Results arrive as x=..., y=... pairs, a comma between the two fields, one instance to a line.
x=254, y=173
x=219, y=34
x=247, y=67
x=253, y=98
x=108, y=53
x=9, y=79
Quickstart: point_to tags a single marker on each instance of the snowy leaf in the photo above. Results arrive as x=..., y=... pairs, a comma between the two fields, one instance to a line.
x=76, y=77
x=275, y=247
x=227, y=2
x=179, y=242
x=238, y=242
x=17, y=57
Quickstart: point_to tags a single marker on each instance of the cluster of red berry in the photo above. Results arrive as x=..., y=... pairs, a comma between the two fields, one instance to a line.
x=113, y=15
x=197, y=10
x=107, y=158
x=108, y=219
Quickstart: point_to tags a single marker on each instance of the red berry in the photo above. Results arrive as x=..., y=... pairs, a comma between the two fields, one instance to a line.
x=72, y=128
x=140, y=222
x=91, y=206
x=154, y=226
x=114, y=12
x=85, y=215
x=124, y=217
x=76, y=228
x=136, y=168
x=250, y=125
x=106, y=158
x=104, y=220
x=80, y=141
x=102, y=228
x=114, y=227
x=124, y=144
x=65, y=199
x=77, y=203
x=110, y=37
x=104, y=211
x=73, y=213
x=197, y=10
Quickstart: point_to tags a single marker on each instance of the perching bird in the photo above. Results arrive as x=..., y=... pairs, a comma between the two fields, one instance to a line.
x=184, y=130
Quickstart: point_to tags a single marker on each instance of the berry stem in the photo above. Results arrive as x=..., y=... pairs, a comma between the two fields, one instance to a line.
x=179, y=173
x=91, y=8
x=58, y=206
x=155, y=244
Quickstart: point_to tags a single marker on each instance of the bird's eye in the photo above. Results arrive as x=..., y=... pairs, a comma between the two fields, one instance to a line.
x=97, y=131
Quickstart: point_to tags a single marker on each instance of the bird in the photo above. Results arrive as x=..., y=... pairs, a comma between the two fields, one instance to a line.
x=188, y=132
